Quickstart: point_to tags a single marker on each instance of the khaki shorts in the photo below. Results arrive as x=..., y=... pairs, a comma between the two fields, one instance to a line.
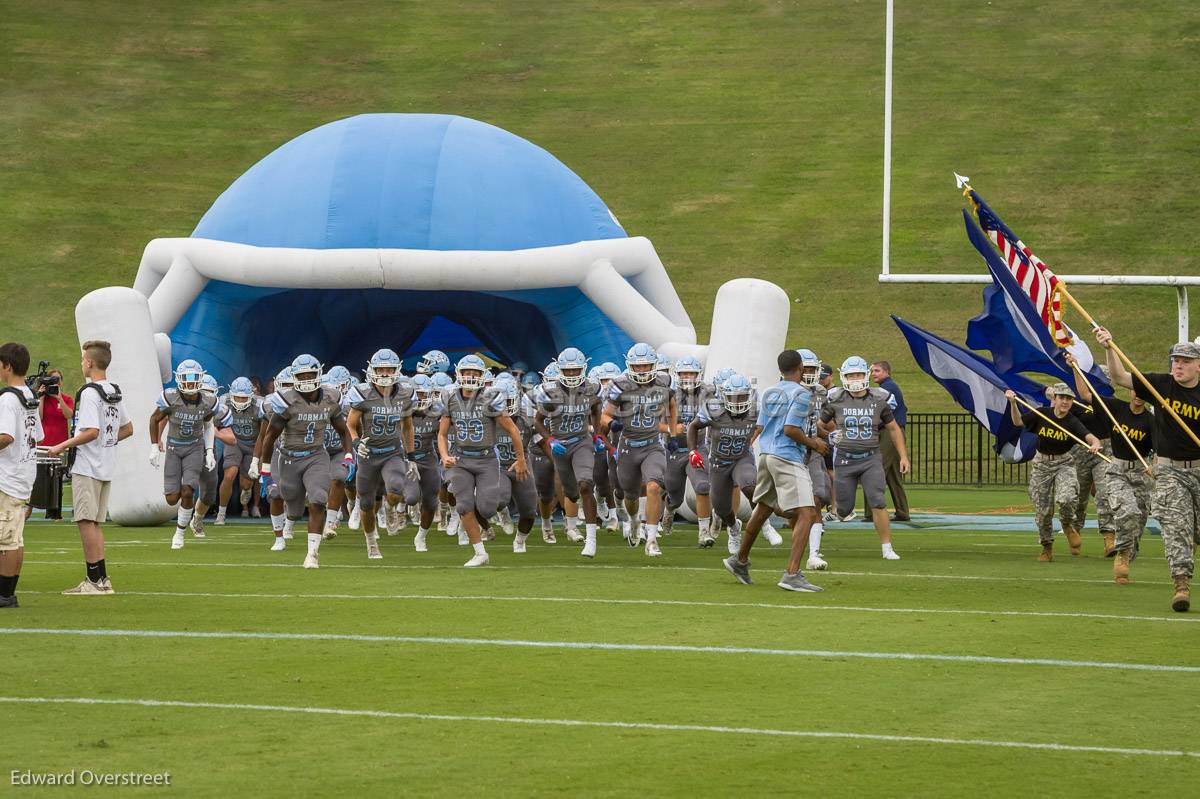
x=89, y=499
x=12, y=523
x=783, y=485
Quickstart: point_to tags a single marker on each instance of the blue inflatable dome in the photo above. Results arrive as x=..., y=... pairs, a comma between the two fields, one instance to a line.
x=410, y=181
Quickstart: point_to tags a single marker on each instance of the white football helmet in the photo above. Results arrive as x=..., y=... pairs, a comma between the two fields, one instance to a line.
x=855, y=374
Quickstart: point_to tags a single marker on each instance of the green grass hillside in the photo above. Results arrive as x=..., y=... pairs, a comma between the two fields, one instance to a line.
x=742, y=138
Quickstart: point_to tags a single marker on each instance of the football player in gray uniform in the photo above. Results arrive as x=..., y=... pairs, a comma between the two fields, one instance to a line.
x=467, y=443
x=690, y=395
x=381, y=424
x=568, y=419
x=854, y=415
x=518, y=490
x=822, y=494
x=341, y=476
x=730, y=419
x=301, y=415
x=605, y=471
x=641, y=407
x=247, y=417
x=188, y=413
x=207, y=495
x=426, y=417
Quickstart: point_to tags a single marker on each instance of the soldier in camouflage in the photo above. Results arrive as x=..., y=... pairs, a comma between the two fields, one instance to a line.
x=1176, y=497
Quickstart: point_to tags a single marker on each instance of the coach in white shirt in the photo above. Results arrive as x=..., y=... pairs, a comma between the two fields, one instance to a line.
x=20, y=430
x=100, y=423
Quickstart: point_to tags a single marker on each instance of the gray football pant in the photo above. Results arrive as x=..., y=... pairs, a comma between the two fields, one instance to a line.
x=848, y=475
x=600, y=473
x=431, y=482
x=182, y=466
x=392, y=471
x=725, y=478
x=680, y=471
x=542, y=469
x=239, y=456
x=475, y=484
x=303, y=481
x=638, y=466
x=273, y=492
x=522, y=491
x=338, y=470
x=819, y=476
x=209, y=485
x=574, y=467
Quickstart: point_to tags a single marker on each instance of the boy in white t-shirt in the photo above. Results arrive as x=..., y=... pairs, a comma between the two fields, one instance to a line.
x=100, y=423
x=20, y=430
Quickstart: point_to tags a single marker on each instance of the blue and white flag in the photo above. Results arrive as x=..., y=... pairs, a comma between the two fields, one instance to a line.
x=975, y=385
x=1011, y=329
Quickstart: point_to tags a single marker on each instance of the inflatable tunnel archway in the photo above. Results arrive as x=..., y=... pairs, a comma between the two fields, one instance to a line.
x=407, y=231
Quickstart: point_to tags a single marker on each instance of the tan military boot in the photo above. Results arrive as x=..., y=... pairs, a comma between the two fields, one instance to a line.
x=1073, y=539
x=1110, y=543
x=1183, y=594
x=1047, y=553
x=1121, y=567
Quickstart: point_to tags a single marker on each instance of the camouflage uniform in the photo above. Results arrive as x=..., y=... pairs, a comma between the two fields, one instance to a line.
x=1127, y=489
x=1052, y=481
x=1177, y=508
x=1089, y=471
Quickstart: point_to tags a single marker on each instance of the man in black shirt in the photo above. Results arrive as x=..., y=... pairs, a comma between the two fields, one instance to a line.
x=1177, y=461
x=1089, y=468
x=1125, y=485
x=1052, y=478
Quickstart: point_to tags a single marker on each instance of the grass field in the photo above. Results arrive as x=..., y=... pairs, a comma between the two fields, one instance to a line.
x=742, y=137
x=229, y=667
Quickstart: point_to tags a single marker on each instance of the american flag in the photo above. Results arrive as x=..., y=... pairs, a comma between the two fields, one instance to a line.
x=1034, y=277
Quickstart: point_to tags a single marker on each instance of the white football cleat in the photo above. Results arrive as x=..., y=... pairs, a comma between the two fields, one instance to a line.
x=477, y=560
x=735, y=538
x=506, y=523
x=220, y=520
x=395, y=521
x=287, y=532
x=573, y=535
x=419, y=543
x=652, y=548
x=668, y=522
x=548, y=534
x=772, y=535
x=613, y=522
x=519, y=545
x=816, y=563
x=381, y=517
x=853, y=517
x=373, y=552
x=891, y=555
x=197, y=526
x=454, y=526
x=589, y=549
x=355, y=520
x=310, y=561
x=177, y=539
x=279, y=544
x=330, y=532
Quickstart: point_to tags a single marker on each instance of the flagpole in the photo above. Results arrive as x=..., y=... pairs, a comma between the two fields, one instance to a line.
x=1129, y=364
x=1021, y=400
x=1116, y=425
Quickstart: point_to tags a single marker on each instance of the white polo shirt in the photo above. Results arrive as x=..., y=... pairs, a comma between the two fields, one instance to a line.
x=18, y=461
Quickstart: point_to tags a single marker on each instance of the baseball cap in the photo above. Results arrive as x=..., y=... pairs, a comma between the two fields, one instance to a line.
x=1062, y=390
x=1185, y=349
x=826, y=369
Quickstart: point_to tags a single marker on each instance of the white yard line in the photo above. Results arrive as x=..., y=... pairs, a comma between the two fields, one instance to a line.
x=596, y=724
x=651, y=603
x=599, y=646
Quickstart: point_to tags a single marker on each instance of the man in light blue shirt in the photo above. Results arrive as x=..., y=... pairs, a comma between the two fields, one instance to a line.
x=784, y=486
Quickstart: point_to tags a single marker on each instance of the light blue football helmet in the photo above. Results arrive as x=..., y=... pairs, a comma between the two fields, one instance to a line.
x=471, y=363
x=641, y=354
x=530, y=381
x=664, y=363
x=687, y=372
x=722, y=375
x=441, y=380
x=433, y=362
x=284, y=379
x=241, y=393
x=810, y=361
x=208, y=384
x=384, y=368
x=737, y=394
x=572, y=368
x=189, y=377
x=306, y=373
x=518, y=369
x=855, y=365
x=341, y=377
x=511, y=393
x=424, y=390
x=550, y=373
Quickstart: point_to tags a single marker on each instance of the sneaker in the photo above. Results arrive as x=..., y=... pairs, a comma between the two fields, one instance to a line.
x=9, y=602
x=355, y=520
x=197, y=526
x=86, y=588
x=519, y=545
x=310, y=561
x=373, y=552
x=816, y=563
x=589, y=549
x=477, y=560
x=279, y=545
x=738, y=569
x=106, y=585
x=177, y=539
x=891, y=555
x=853, y=517
x=735, y=538
x=798, y=582
x=773, y=536
x=548, y=535
x=652, y=548
x=829, y=516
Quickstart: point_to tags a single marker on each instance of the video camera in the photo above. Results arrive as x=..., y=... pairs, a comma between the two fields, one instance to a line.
x=42, y=380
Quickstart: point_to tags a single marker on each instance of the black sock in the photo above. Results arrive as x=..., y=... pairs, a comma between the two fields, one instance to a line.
x=8, y=585
x=103, y=569
x=94, y=570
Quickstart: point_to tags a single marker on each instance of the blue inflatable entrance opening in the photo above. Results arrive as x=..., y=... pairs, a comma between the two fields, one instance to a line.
x=404, y=181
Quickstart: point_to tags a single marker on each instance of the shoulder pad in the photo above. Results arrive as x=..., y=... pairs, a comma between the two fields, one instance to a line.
x=879, y=393
x=171, y=395
x=663, y=380
x=836, y=393
x=332, y=394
